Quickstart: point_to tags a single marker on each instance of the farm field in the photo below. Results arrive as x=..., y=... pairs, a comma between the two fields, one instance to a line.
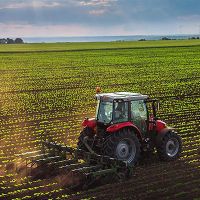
x=47, y=89
x=68, y=46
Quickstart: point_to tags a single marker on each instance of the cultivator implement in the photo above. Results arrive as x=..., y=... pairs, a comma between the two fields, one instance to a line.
x=54, y=159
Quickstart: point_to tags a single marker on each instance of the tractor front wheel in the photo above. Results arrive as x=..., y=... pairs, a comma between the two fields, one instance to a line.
x=123, y=145
x=169, y=147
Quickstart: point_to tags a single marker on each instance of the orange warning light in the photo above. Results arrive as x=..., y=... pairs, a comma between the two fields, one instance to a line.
x=98, y=90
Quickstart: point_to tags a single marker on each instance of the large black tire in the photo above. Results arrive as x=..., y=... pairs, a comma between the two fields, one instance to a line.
x=169, y=147
x=123, y=145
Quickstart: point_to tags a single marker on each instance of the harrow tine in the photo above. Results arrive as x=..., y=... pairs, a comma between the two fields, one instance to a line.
x=48, y=159
x=101, y=172
x=73, y=166
x=60, y=147
x=39, y=156
x=28, y=153
x=61, y=163
x=87, y=169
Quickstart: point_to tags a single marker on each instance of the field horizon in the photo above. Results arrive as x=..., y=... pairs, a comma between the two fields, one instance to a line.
x=80, y=46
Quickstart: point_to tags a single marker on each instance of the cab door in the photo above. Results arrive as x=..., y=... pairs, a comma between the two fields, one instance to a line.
x=139, y=115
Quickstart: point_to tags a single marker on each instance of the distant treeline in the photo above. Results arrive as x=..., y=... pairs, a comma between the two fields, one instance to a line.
x=167, y=38
x=190, y=38
x=11, y=41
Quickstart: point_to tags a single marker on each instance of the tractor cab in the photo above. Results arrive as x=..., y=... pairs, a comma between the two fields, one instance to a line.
x=120, y=107
x=110, y=112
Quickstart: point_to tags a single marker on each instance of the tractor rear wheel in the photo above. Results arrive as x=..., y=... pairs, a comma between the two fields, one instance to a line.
x=123, y=145
x=169, y=147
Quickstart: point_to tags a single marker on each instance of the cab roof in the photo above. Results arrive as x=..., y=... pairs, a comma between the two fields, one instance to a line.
x=126, y=96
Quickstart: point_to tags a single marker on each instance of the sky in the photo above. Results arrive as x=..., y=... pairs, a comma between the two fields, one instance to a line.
x=45, y=18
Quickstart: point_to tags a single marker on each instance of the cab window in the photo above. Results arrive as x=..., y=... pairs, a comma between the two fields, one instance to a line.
x=120, y=111
x=139, y=114
x=105, y=112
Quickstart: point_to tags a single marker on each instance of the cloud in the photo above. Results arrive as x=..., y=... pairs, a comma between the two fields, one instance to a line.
x=97, y=2
x=98, y=7
x=20, y=4
x=97, y=12
x=189, y=18
x=59, y=13
x=29, y=4
x=91, y=7
x=14, y=30
x=121, y=16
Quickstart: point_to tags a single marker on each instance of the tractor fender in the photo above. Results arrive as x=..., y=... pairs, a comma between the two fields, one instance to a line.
x=91, y=123
x=116, y=127
x=162, y=134
x=160, y=125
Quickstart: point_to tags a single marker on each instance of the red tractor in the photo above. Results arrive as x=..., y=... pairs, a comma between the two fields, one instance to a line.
x=125, y=126
x=110, y=144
